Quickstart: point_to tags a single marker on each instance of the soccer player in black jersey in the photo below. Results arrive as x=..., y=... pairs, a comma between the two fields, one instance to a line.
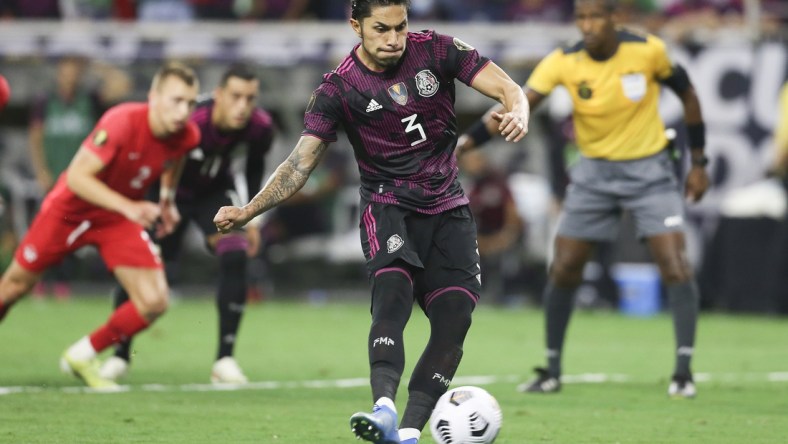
x=231, y=127
x=394, y=96
x=614, y=77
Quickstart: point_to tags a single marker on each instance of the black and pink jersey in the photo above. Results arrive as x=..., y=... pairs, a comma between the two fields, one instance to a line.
x=209, y=167
x=401, y=122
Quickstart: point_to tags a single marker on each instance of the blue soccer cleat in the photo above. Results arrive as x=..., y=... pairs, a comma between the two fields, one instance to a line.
x=379, y=427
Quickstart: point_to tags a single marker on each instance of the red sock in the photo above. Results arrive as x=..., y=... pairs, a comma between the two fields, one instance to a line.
x=124, y=323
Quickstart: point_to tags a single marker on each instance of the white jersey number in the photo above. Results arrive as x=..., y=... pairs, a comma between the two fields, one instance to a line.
x=413, y=126
x=139, y=181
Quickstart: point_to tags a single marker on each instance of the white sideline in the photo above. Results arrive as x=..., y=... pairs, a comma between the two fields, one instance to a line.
x=584, y=378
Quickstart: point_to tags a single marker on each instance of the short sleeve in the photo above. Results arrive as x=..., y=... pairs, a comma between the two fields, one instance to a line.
x=108, y=134
x=458, y=60
x=323, y=113
x=663, y=66
x=547, y=74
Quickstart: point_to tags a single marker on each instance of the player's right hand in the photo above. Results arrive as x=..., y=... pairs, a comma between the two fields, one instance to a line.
x=143, y=212
x=228, y=218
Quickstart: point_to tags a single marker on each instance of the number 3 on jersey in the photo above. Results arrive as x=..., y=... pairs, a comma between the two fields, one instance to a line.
x=411, y=126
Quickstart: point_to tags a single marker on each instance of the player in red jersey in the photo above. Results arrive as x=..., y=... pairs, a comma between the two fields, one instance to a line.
x=99, y=201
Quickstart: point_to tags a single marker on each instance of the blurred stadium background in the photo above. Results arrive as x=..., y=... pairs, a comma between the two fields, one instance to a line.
x=734, y=50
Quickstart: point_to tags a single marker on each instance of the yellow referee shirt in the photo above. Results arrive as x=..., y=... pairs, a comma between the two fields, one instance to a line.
x=615, y=100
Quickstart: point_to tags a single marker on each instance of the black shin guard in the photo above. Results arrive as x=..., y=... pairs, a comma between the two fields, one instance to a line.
x=230, y=298
x=450, y=319
x=122, y=348
x=392, y=303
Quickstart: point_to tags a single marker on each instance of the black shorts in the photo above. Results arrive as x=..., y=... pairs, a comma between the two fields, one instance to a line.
x=441, y=248
x=200, y=211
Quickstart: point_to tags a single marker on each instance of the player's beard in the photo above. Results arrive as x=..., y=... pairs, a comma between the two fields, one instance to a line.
x=385, y=63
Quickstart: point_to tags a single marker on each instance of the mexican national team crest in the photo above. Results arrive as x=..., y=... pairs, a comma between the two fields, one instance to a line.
x=427, y=83
x=399, y=93
x=394, y=243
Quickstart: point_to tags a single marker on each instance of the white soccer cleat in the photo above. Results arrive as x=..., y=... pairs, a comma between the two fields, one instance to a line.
x=227, y=371
x=682, y=387
x=114, y=369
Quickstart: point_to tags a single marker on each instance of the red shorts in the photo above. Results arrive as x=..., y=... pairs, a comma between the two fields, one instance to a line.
x=54, y=234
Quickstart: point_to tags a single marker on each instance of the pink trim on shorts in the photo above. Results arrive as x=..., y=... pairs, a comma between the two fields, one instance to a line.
x=371, y=226
x=395, y=270
x=431, y=296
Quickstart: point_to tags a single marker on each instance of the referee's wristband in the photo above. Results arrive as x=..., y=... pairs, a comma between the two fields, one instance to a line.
x=696, y=135
x=478, y=132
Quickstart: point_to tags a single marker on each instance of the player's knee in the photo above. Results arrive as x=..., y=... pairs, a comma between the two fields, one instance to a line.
x=151, y=303
x=566, y=273
x=392, y=295
x=15, y=285
x=231, y=243
x=674, y=272
x=451, y=315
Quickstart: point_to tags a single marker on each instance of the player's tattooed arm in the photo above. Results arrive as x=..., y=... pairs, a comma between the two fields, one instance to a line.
x=290, y=176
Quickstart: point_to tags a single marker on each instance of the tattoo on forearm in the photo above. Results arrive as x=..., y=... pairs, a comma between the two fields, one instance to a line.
x=288, y=178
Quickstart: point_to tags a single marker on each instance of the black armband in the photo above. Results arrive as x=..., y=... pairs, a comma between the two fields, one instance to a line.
x=478, y=132
x=678, y=81
x=696, y=135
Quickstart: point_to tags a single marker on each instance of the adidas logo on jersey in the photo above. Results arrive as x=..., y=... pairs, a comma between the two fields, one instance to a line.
x=373, y=106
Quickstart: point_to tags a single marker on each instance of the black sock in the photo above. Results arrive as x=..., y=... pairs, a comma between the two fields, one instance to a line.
x=392, y=304
x=450, y=319
x=558, y=309
x=684, y=303
x=122, y=348
x=231, y=298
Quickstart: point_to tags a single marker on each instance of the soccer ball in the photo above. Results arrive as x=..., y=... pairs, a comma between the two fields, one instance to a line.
x=466, y=415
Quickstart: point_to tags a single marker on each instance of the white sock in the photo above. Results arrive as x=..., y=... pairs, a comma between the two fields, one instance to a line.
x=82, y=350
x=387, y=402
x=409, y=433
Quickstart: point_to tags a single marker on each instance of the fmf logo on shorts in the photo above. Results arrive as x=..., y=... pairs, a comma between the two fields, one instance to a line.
x=394, y=243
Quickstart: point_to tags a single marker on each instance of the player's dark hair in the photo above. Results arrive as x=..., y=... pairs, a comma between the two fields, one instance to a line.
x=239, y=70
x=361, y=9
x=175, y=69
x=609, y=5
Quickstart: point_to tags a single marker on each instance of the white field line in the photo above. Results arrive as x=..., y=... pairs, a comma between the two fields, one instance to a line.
x=584, y=378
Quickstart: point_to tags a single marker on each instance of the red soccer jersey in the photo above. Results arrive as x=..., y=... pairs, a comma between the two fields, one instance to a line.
x=133, y=157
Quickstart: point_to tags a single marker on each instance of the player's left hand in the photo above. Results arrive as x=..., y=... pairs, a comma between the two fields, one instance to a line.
x=697, y=183
x=169, y=219
x=513, y=126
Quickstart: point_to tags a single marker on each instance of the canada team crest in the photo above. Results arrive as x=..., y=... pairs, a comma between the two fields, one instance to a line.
x=427, y=83
x=399, y=93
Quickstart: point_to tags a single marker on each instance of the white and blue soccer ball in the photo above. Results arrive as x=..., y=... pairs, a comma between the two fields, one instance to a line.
x=466, y=415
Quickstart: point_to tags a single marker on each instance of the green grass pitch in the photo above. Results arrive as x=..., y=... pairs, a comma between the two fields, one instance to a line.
x=308, y=365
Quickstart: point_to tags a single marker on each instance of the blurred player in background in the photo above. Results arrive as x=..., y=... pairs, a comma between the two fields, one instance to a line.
x=99, y=201
x=232, y=129
x=60, y=121
x=394, y=96
x=614, y=77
